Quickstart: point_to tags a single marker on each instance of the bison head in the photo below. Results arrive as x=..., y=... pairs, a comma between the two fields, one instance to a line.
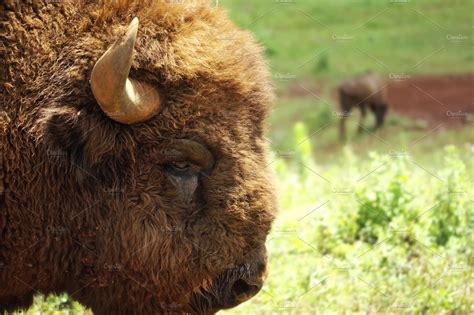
x=163, y=184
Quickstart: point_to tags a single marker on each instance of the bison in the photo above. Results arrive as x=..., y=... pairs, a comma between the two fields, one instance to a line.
x=362, y=91
x=133, y=167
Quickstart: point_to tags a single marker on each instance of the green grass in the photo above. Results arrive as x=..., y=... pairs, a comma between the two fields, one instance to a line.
x=56, y=305
x=310, y=39
x=375, y=232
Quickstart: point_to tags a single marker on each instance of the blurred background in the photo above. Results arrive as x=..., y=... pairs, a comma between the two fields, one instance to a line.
x=385, y=221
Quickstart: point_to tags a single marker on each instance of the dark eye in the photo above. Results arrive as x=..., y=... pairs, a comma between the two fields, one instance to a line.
x=181, y=169
x=180, y=166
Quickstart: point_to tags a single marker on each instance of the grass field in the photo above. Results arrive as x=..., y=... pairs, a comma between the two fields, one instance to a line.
x=384, y=224
x=366, y=233
x=332, y=39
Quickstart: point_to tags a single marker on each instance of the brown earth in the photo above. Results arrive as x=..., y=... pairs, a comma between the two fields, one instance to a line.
x=445, y=99
x=437, y=99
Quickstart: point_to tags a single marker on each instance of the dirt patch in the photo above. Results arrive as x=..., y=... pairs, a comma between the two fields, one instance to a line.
x=447, y=99
x=436, y=99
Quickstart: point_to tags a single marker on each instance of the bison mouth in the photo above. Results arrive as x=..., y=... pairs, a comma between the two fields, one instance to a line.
x=233, y=287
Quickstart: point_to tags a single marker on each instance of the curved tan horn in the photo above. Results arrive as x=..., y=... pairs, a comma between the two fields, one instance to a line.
x=123, y=99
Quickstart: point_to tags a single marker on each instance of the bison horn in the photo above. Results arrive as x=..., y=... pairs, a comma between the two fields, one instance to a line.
x=123, y=99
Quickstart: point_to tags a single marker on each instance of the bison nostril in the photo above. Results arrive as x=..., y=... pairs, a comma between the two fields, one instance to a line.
x=243, y=291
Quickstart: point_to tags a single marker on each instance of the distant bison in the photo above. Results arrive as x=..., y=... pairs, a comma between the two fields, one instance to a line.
x=366, y=90
x=133, y=164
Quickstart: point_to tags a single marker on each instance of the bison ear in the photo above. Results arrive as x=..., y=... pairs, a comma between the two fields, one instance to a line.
x=89, y=143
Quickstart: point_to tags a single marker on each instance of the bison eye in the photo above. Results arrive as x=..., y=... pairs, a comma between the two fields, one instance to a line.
x=180, y=166
x=185, y=178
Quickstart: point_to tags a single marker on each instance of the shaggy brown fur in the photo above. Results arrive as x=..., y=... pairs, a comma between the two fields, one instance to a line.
x=89, y=206
x=362, y=91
